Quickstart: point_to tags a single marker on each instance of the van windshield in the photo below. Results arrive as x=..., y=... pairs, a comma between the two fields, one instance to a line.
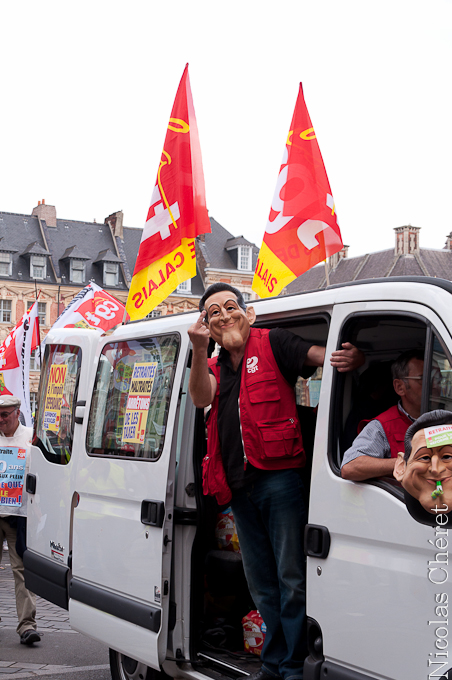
x=131, y=397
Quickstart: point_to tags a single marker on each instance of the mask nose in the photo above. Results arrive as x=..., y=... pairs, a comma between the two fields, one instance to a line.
x=437, y=465
x=225, y=314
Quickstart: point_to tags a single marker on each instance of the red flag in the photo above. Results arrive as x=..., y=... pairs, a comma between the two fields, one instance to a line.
x=302, y=228
x=15, y=361
x=177, y=214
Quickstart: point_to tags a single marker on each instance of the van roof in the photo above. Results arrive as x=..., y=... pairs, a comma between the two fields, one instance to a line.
x=430, y=280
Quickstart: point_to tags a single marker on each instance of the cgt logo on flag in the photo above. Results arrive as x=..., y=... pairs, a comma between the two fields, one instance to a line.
x=302, y=228
x=177, y=213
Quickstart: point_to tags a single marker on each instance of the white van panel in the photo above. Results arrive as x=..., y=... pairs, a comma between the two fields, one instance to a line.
x=125, y=637
x=371, y=596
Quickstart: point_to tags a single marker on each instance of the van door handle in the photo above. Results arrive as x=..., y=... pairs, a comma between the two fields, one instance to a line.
x=152, y=513
x=317, y=541
x=30, y=483
x=79, y=412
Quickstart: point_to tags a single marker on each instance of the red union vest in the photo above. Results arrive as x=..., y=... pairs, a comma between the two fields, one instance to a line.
x=271, y=430
x=395, y=424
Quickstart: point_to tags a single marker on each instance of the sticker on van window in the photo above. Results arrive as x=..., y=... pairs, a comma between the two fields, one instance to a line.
x=138, y=402
x=54, y=397
x=12, y=469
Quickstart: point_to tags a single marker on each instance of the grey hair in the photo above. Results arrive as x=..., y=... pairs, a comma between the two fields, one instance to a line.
x=400, y=368
x=429, y=419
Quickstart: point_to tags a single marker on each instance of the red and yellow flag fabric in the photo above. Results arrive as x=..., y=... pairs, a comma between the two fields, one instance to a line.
x=177, y=213
x=302, y=228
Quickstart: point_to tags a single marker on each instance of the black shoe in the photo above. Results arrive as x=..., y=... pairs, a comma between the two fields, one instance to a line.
x=263, y=675
x=29, y=636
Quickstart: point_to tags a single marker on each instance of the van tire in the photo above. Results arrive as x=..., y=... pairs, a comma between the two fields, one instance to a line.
x=122, y=667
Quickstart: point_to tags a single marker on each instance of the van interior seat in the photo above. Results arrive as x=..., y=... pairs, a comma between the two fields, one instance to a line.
x=373, y=395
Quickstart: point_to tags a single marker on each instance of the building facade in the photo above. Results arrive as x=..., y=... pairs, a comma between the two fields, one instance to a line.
x=51, y=258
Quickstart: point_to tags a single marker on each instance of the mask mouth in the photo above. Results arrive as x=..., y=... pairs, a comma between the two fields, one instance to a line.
x=421, y=515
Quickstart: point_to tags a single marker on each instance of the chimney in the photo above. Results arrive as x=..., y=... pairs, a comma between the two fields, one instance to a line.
x=334, y=260
x=407, y=240
x=448, y=245
x=46, y=212
x=115, y=222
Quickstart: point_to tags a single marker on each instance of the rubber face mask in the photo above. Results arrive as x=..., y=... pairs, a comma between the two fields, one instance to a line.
x=229, y=324
x=427, y=475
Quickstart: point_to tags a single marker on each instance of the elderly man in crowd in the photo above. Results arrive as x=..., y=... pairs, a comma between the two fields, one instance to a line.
x=14, y=434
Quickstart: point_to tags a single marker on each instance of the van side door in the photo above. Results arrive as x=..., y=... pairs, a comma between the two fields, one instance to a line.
x=123, y=518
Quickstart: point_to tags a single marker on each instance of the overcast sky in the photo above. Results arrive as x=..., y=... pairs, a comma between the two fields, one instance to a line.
x=87, y=89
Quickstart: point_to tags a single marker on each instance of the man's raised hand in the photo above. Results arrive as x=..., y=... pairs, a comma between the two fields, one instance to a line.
x=199, y=333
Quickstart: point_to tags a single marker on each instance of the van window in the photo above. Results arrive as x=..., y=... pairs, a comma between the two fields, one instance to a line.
x=131, y=398
x=54, y=423
x=440, y=393
x=367, y=392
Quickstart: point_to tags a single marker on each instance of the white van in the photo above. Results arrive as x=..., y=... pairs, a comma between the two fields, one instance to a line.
x=120, y=534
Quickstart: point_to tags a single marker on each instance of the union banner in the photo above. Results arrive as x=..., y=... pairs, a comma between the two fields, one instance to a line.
x=302, y=228
x=177, y=214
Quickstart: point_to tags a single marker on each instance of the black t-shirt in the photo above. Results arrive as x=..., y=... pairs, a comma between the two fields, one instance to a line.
x=290, y=353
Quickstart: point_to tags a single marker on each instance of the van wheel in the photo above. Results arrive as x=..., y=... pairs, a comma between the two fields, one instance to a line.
x=122, y=667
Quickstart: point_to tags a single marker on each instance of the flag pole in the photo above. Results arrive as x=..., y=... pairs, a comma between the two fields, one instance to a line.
x=327, y=274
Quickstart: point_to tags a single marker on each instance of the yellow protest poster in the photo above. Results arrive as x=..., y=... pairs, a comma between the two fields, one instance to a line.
x=54, y=397
x=138, y=402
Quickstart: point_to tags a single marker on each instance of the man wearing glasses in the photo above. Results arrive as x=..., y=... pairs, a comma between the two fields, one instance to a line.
x=374, y=451
x=14, y=434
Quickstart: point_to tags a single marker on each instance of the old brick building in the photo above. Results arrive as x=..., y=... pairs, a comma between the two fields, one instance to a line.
x=41, y=253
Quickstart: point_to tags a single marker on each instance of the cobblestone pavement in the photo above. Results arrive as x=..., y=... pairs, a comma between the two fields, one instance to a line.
x=51, y=621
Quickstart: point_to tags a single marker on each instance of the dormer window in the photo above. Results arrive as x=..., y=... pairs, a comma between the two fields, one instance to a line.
x=77, y=271
x=111, y=274
x=184, y=287
x=6, y=264
x=244, y=258
x=38, y=268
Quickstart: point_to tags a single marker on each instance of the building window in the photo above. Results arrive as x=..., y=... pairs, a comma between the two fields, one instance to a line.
x=5, y=311
x=35, y=364
x=42, y=311
x=184, y=287
x=154, y=314
x=111, y=271
x=38, y=266
x=33, y=403
x=6, y=264
x=77, y=271
x=244, y=260
x=246, y=296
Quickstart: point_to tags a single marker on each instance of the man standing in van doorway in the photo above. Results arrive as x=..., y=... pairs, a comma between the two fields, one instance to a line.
x=374, y=451
x=254, y=454
x=12, y=522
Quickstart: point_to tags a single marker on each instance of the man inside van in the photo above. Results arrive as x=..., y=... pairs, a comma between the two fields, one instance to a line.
x=424, y=468
x=254, y=454
x=374, y=451
x=13, y=434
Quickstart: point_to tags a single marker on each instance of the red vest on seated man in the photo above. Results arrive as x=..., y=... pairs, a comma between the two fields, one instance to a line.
x=395, y=424
x=270, y=427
